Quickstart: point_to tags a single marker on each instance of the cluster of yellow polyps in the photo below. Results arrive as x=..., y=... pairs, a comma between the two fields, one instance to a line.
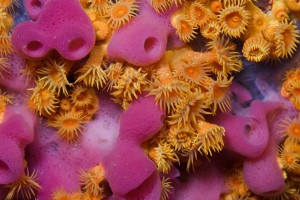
x=93, y=184
x=265, y=36
x=6, y=23
x=290, y=87
x=67, y=106
x=108, y=15
x=290, y=150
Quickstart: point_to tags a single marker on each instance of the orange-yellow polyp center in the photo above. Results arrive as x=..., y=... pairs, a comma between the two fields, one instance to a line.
x=192, y=72
x=234, y=20
x=100, y=2
x=297, y=91
x=159, y=2
x=114, y=75
x=212, y=30
x=173, y=96
x=185, y=27
x=70, y=123
x=216, y=66
x=295, y=130
x=219, y=92
x=119, y=11
x=216, y=6
x=5, y=4
x=82, y=96
x=287, y=37
x=289, y=159
x=65, y=104
x=255, y=52
x=259, y=22
x=199, y=14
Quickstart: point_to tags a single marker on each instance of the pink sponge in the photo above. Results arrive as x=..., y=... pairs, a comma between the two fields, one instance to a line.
x=263, y=175
x=141, y=121
x=14, y=77
x=62, y=25
x=34, y=8
x=144, y=40
x=58, y=163
x=17, y=131
x=127, y=166
x=247, y=133
x=206, y=183
x=149, y=190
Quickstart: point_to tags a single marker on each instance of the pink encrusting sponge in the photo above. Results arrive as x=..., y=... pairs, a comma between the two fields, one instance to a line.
x=247, y=134
x=143, y=40
x=263, y=175
x=34, y=8
x=17, y=131
x=14, y=77
x=67, y=29
x=127, y=166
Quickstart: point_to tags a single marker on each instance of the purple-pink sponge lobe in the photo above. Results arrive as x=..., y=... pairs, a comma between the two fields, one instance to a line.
x=127, y=166
x=144, y=39
x=66, y=29
x=34, y=8
x=16, y=132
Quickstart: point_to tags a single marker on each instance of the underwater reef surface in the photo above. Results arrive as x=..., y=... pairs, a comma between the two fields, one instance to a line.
x=148, y=99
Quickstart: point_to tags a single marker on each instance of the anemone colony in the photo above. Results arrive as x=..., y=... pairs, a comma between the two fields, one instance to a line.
x=191, y=84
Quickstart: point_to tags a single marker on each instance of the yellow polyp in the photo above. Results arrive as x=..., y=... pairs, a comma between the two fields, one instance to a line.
x=191, y=66
x=23, y=188
x=234, y=20
x=69, y=125
x=211, y=30
x=54, y=76
x=121, y=12
x=181, y=137
x=82, y=96
x=5, y=4
x=92, y=72
x=290, y=128
x=286, y=39
x=5, y=100
x=164, y=74
x=5, y=45
x=293, y=5
x=256, y=49
x=4, y=65
x=129, y=85
x=65, y=105
x=93, y=181
x=199, y=13
x=193, y=107
x=226, y=57
x=280, y=11
x=113, y=73
x=235, y=182
x=42, y=99
x=6, y=21
x=185, y=27
x=209, y=137
x=99, y=5
x=166, y=187
x=102, y=29
x=215, y=6
x=160, y=5
x=289, y=155
x=220, y=94
x=60, y=194
x=164, y=157
x=168, y=90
